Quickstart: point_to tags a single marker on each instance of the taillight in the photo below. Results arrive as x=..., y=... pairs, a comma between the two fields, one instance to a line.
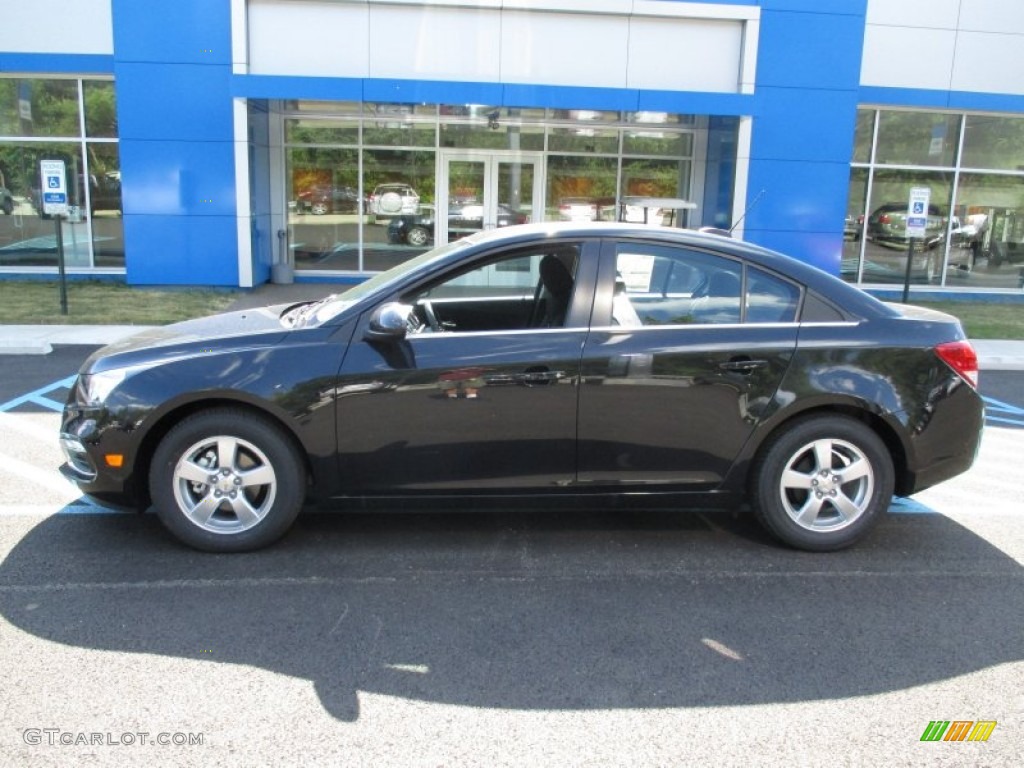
x=961, y=357
x=884, y=219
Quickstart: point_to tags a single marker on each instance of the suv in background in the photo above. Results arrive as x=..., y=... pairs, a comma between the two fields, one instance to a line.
x=394, y=199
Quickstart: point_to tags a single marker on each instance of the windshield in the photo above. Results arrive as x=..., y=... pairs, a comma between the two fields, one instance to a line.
x=335, y=305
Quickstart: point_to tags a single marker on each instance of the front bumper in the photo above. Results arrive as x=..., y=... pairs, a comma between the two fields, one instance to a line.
x=85, y=446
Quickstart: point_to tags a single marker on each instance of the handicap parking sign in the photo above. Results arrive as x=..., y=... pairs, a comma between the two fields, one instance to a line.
x=55, y=195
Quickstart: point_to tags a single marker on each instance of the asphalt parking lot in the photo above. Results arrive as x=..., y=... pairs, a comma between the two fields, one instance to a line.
x=508, y=637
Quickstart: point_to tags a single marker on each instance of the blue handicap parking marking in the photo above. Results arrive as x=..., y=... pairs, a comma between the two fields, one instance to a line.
x=905, y=506
x=39, y=397
x=998, y=412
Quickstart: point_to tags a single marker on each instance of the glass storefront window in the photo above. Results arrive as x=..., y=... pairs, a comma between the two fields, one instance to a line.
x=361, y=184
x=885, y=227
x=397, y=133
x=323, y=107
x=581, y=188
x=988, y=232
x=105, y=204
x=53, y=108
x=995, y=143
x=660, y=118
x=586, y=139
x=586, y=116
x=917, y=138
x=975, y=229
x=39, y=107
x=100, y=109
x=511, y=137
x=864, y=135
x=324, y=207
x=27, y=237
x=321, y=132
x=853, y=227
x=657, y=143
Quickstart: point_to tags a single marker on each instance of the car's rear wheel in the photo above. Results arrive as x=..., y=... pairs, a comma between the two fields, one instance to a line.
x=227, y=480
x=820, y=484
x=417, y=236
x=319, y=209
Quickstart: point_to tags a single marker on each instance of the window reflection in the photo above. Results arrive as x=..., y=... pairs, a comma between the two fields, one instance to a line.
x=917, y=138
x=975, y=233
x=39, y=107
x=100, y=109
x=994, y=142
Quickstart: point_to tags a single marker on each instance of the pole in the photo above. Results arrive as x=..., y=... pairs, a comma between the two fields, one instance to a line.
x=60, y=266
x=906, y=277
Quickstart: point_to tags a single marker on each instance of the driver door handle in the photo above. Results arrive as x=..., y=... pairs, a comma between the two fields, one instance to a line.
x=533, y=378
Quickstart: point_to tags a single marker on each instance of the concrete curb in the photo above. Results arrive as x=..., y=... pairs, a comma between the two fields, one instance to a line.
x=39, y=339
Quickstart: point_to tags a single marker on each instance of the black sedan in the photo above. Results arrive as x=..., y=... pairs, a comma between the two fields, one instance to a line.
x=595, y=363
x=463, y=219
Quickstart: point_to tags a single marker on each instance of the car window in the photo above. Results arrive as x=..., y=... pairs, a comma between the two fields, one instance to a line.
x=662, y=285
x=518, y=291
x=770, y=299
x=658, y=285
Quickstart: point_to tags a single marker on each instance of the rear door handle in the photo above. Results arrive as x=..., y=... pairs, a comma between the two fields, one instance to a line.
x=743, y=365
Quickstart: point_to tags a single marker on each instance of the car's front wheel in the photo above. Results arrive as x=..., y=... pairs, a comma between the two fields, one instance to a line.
x=227, y=480
x=417, y=236
x=821, y=483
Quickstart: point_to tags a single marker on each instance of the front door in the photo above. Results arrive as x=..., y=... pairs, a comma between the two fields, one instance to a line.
x=485, y=191
x=483, y=394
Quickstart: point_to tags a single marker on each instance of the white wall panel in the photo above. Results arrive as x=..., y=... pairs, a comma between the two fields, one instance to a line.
x=314, y=38
x=564, y=49
x=936, y=14
x=685, y=54
x=56, y=26
x=434, y=43
x=903, y=57
x=989, y=63
x=1003, y=16
x=606, y=43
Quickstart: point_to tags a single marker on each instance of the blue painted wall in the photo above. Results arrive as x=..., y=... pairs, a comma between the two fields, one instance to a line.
x=808, y=79
x=172, y=68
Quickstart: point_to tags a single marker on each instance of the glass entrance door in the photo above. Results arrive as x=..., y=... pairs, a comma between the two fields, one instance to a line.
x=487, y=191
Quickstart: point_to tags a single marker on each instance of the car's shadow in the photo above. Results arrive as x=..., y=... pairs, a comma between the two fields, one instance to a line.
x=534, y=610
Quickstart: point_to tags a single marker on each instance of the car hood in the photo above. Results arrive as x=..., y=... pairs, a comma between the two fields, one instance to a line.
x=208, y=335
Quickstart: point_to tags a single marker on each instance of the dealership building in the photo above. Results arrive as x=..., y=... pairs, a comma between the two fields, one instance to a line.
x=235, y=142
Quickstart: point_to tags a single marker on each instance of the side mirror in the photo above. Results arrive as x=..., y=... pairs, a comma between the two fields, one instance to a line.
x=390, y=322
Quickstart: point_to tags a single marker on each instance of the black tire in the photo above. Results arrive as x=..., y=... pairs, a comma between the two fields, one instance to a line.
x=8, y=206
x=841, y=501
x=417, y=236
x=227, y=480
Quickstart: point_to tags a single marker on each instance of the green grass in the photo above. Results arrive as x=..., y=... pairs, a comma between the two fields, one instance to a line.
x=984, y=320
x=99, y=303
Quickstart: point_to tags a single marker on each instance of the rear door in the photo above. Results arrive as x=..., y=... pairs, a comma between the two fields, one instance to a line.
x=687, y=350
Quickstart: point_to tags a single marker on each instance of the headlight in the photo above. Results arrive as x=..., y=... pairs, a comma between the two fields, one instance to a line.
x=95, y=388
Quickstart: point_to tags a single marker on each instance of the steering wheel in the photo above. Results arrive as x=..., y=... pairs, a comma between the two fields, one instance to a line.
x=432, y=321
